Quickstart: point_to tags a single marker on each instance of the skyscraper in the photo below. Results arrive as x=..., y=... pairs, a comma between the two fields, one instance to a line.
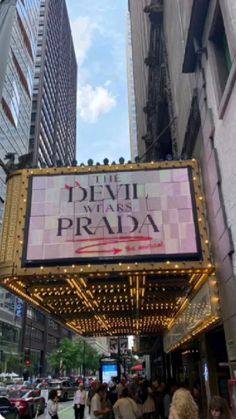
x=38, y=114
x=131, y=93
x=18, y=38
x=52, y=141
x=53, y=122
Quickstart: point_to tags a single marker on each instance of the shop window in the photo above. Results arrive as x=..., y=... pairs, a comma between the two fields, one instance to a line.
x=219, y=41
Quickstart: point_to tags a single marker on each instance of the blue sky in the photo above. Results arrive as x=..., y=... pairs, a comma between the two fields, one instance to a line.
x=99, y=33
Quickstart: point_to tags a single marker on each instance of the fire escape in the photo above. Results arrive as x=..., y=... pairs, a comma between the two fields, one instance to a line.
x=160, y=136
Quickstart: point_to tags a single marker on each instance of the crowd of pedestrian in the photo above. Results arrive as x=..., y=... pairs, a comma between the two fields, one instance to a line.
x=140, y=399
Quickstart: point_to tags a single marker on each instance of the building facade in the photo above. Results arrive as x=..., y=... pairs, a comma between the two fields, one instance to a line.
x=52, y=142
x=155, y=119
x=37, y=115
x=198, y=41
x=131, y=95
x=18, y=38
x=53, y=121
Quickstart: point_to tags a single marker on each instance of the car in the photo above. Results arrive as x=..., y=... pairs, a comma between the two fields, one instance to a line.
x=7, y=409
x=28, y=402
x=42, y=386
x=3, y=390
x=65, y=390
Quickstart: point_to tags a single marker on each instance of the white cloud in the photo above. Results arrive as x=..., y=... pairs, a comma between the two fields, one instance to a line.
x=108, y=83
x=94, y=102
x=83, y=31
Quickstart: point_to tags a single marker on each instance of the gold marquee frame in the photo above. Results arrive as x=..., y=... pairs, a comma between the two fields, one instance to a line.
x=132, y=287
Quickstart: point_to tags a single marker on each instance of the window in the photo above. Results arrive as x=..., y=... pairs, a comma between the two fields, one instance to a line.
x=30, y=80
x=15, y=103
x=223, y=60
x=21, y=75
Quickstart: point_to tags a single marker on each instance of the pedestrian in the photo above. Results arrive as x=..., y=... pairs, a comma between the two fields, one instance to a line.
x=183, y=405
x=134, y=387
x=106, y=403
x=91, y=392
x=112, y=391
x=52, y=405
x=96, y=410
x=125, y=407
x=147, y=401
x=79, y=402
x=218, y=409
x=121, y=386
x=166, y=401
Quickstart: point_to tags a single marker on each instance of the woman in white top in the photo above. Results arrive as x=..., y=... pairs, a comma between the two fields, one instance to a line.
x=52, y=405
x=125, y=407
x=79, y=402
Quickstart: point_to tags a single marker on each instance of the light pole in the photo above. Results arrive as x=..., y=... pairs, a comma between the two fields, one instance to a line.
x=83, y=359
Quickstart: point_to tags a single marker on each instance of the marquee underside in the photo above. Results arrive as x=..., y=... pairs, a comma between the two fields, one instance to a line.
x=107, y=304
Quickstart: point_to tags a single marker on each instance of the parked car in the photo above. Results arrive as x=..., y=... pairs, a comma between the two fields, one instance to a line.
x=65, y=390
x=28, y=402
x=7, y=409
x=42, y=386
x=3, y=390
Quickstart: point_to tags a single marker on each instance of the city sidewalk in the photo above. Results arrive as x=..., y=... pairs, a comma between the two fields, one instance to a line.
x=68, y=413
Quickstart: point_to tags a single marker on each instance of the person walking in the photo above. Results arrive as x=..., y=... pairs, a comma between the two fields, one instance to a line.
x=218, y=409
x=96, y=410
x=183, y=406
x=52, y=405
x=106, y=403
x=79, y=402
x=147, y=400
x=125, y=407
x=91, y=392
x=121, y=386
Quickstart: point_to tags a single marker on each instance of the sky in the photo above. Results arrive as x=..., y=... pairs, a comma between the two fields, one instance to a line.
x=99, y=33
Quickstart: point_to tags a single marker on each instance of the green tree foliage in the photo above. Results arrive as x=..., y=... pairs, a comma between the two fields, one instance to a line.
x=91, y=358
x=74, y=354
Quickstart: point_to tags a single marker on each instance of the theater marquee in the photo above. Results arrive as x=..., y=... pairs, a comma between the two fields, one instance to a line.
x=141, y=214
x=107, y=250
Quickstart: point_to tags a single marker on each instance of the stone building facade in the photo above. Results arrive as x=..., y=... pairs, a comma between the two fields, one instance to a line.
x=198, y=37
x=201, y=56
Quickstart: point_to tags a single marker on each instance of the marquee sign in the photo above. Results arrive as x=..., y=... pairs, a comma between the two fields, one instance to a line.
x=120, y=215
x=110, y=250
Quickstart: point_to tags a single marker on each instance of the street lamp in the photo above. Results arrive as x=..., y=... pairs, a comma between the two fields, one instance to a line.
x=84, y=359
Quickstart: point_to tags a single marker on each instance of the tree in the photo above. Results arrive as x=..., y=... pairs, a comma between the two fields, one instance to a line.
x=91, y=358
x=73, y=354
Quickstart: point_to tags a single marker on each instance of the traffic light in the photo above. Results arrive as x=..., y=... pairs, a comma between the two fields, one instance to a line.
x=27, y=362
x=27, y=357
